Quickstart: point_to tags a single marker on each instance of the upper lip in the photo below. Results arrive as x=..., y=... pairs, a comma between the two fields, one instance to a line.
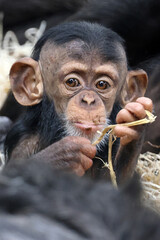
x=89, y=126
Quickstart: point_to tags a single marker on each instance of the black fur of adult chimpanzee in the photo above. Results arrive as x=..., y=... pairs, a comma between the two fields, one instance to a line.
x=37, y=203
x=75, y=84
x=21, y=15
x=138, y=22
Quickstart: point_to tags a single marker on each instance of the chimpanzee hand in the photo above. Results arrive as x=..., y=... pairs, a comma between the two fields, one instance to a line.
x=131, y=112
x=71, y=154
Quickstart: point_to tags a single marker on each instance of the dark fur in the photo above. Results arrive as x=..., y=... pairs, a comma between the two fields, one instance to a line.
x=38, y=203
x=138, y=22
x=21, y=15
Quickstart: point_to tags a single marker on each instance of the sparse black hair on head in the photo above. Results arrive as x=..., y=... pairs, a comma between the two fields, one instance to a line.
x=95, y=35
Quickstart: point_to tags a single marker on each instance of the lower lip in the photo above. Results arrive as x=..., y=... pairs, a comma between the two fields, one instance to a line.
x=88, y=127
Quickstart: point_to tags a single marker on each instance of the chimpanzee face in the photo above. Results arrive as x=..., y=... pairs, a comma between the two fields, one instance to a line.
x=82, y=80
x=82, y=85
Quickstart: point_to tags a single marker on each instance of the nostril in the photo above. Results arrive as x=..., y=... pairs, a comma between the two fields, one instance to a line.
x=93, y=102
x=88, y=101
x=84, y=101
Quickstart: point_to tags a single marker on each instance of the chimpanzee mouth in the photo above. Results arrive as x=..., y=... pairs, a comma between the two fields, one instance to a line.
x=88, y=127
x=85, y=129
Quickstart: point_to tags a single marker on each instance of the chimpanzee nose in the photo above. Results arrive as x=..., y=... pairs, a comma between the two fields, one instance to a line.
x=88, y=99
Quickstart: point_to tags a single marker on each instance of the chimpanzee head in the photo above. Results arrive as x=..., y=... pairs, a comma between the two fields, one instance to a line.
x=82, y=68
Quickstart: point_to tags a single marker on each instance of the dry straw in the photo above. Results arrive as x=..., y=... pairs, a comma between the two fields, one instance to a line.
x=148, y=168
x=110, y=131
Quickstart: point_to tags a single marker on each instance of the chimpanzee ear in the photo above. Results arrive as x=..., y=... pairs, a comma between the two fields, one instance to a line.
x=26, y=81
x=135, y=86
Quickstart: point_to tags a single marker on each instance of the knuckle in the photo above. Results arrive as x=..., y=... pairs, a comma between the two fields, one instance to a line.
x=149, y=104
x=78, y=148
x=146, y=102
x=121, y=112
x=75, y=157
x=121, y=115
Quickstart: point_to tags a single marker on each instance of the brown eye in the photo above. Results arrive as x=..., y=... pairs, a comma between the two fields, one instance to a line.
x=102, y=85
x=72, y=82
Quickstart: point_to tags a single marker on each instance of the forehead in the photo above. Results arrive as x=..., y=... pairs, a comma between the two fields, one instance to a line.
x=79, y=51
x=75, y=50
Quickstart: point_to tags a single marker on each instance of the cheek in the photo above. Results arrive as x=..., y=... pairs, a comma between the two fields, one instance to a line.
x=109, y=102
x=50, y=87
x=109, y=105
x=60, y=103
x=56, y=93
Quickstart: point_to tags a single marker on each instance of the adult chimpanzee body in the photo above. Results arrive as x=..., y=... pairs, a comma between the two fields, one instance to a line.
x=74, y=85
x=37, y=203
x=35, y=11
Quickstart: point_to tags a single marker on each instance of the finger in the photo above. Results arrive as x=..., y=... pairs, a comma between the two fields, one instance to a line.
x=79, y=144
x=124, y=116
x=79, y=171
x=125, y=140
x=86, y=162
x=83, y=163
x=137, y=109
x=127, y=132
x=89, y=150
x=146, y=102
